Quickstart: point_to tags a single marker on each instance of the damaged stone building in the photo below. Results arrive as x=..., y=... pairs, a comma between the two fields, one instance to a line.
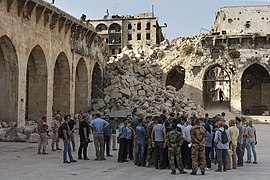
x=120, y=31
x=49, y=61
x=233, y=58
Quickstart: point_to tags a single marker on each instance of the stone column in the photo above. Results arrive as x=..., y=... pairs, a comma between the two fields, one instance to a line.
x=22, y=63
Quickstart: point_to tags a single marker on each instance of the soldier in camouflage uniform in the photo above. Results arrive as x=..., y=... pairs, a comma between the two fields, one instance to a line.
x=198, y=136
x=150, y=148
x=175, y=140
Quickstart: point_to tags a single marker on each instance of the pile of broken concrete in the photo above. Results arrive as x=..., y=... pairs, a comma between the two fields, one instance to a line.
x=135, y=79
x=9, y=132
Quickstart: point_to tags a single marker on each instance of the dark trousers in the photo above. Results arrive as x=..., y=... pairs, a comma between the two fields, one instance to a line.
x=122, y=149
x=159, y=154
x=83, y=148
x=240, y=154
x=107, y=141
x=186, y=155
x=129, y=149
x=222, y=158
x=207, y=156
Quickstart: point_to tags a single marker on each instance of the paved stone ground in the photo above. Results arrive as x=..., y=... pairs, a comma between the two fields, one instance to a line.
x=20, y=161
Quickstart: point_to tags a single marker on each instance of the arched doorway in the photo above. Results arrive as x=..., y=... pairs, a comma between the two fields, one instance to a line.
x=8, y=81
x=176, y=77
x=81, y=86
x=255, y=94
x=36, y=85
x=61, y=85
x=216, y=79
x=97, y=83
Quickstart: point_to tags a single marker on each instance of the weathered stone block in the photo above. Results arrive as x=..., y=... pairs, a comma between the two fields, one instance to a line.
x=101, y=103
x=125, y=92
x=141, y=93
x=34, y=138
x=4, y=124
x=20, y=137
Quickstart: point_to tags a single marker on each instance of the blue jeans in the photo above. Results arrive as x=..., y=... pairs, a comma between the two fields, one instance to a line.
x=222, y=158
x=240, y=154
x=250, y=144
x=67, y=150
x=140, y=154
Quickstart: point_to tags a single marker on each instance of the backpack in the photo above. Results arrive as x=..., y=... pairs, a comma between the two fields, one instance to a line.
x=60, y=132
x=224, y=137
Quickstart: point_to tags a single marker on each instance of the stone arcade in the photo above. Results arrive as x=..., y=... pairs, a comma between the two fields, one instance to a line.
x=47, y=62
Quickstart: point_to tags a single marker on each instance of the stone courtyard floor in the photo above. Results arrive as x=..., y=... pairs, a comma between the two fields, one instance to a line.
x=19, y=161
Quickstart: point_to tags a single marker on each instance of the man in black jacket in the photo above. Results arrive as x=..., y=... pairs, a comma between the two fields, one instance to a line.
x=84, y=131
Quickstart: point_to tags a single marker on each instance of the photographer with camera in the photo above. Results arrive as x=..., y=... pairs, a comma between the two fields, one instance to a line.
x=84, y=131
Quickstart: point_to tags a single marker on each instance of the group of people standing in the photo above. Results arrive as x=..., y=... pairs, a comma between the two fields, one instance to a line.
x=186, y=142
x=176, y=141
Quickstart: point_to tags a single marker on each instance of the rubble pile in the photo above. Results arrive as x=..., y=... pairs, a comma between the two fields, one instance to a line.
x=9, y=132
x=135, y=79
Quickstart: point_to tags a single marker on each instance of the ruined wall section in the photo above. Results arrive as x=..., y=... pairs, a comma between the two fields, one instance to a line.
x=35, y=22
x=242, y=20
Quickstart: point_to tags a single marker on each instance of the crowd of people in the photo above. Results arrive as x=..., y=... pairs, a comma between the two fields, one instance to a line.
x=172, y=141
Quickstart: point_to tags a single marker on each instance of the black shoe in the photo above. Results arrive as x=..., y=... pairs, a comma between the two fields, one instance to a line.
x=125, y=160
x=182, y=172
x=86, y=158
x=255, y=162
x=193, y=173
x=218, y=170
x=248, y=161
x=73, y=160
x=173, y=171
x=203, y=173
x=114, y=149
x=109, y=155
x=120, y=161
x=66, y=162
x=156, y=167
x=97, y=159
x=80, y=158
x=103, y=159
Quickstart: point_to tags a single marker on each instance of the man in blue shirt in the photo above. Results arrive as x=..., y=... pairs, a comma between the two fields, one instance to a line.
x=98, y=125
x=122, y=141
x=141, y=143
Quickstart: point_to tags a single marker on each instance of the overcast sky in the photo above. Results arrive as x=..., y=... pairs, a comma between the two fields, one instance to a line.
x=183, y=17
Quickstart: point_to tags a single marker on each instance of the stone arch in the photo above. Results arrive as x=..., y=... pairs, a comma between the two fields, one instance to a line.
x=115, y=27
x=9, y=74
x=216, y=78
x=176, y=77
x=97, y=82
x=61, y=85
x=36, y=84
x=101, y=27
x=255, y=94
x=81, y=86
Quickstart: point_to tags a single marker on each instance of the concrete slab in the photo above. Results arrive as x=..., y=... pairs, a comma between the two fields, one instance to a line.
x=20, y=161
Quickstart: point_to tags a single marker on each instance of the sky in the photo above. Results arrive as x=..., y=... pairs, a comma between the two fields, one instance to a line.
x=183, y=17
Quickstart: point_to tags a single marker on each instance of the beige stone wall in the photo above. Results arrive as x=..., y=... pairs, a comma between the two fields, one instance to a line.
x=25, y=33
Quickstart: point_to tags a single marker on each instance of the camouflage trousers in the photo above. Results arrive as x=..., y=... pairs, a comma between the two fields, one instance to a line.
x=175, y=152
x=198, y=157
x=149, y=154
